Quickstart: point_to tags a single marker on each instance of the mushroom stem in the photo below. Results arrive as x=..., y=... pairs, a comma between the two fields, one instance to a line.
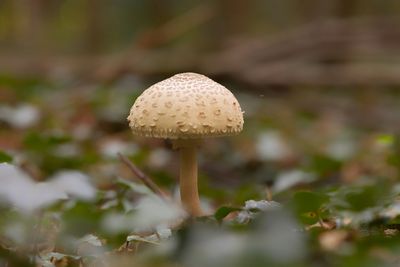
x=188, y=176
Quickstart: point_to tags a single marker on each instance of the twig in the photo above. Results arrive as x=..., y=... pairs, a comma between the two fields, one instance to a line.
x=146, y=180
x=268, y=193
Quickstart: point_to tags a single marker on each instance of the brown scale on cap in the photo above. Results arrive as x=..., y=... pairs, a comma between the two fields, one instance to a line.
x=187, y=105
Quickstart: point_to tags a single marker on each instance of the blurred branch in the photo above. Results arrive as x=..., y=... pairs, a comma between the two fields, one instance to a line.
x=94, y=34
x=175, y=27
x=142, y=55
x=146, y=180
x=312, y=54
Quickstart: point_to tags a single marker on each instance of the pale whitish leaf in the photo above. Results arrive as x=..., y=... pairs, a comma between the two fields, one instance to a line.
x=341, y=148
x=244, y=216
x=164, y=233
x=127, y=205
x=222, y=248
x=278, y=237
x=152, y=239
x=22, y=192
x=22, y=116
x=19, y=190
x=16, y=231
x=148, y=214
x=151, y=211
x=262, y=205
x=270, y=145
x=117, y=222
x=358, y=218
x=67, y=150
x=392, y=211
x=288, y=179
x=247, y=214
x=74, y=183
x=136, y=187
x=159, y=158
x=109, y=204
x=110, y=149
x=91, y=239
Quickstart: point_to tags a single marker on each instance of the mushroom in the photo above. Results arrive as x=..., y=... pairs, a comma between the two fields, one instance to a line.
x=186, y=108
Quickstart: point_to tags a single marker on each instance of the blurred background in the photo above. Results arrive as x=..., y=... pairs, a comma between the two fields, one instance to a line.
x=333, y=42
x=318, y=81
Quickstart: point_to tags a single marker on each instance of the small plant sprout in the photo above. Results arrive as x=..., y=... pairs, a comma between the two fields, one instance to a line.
x=186, y=108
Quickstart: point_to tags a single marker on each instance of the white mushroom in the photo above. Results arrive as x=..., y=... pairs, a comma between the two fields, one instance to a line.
x=186, y=108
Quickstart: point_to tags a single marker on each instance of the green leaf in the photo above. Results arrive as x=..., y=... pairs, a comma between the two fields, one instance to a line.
x=43, y=142
x=222, y=212
x=307, y=205
x=366, y=197
x=324, y=165
x=81, y=218
x=92, y=240
x=14, y=259
x=385, y=139
x=4, y=157
x=305, y=201
x=359, y=198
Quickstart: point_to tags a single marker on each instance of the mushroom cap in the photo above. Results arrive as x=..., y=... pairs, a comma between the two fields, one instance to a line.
x=186, y=105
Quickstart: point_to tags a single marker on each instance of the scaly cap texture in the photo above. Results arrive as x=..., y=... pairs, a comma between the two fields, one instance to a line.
x=186, y=105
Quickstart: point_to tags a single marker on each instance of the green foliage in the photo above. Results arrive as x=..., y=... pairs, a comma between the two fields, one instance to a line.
x=4, y=157
x=323, y=165
x=27, y=85
x=222, y=212
x=352, y=202
x=43, y=143
x=15, y=259
x=359, y=198
x=82, y=218
x=309, y=205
